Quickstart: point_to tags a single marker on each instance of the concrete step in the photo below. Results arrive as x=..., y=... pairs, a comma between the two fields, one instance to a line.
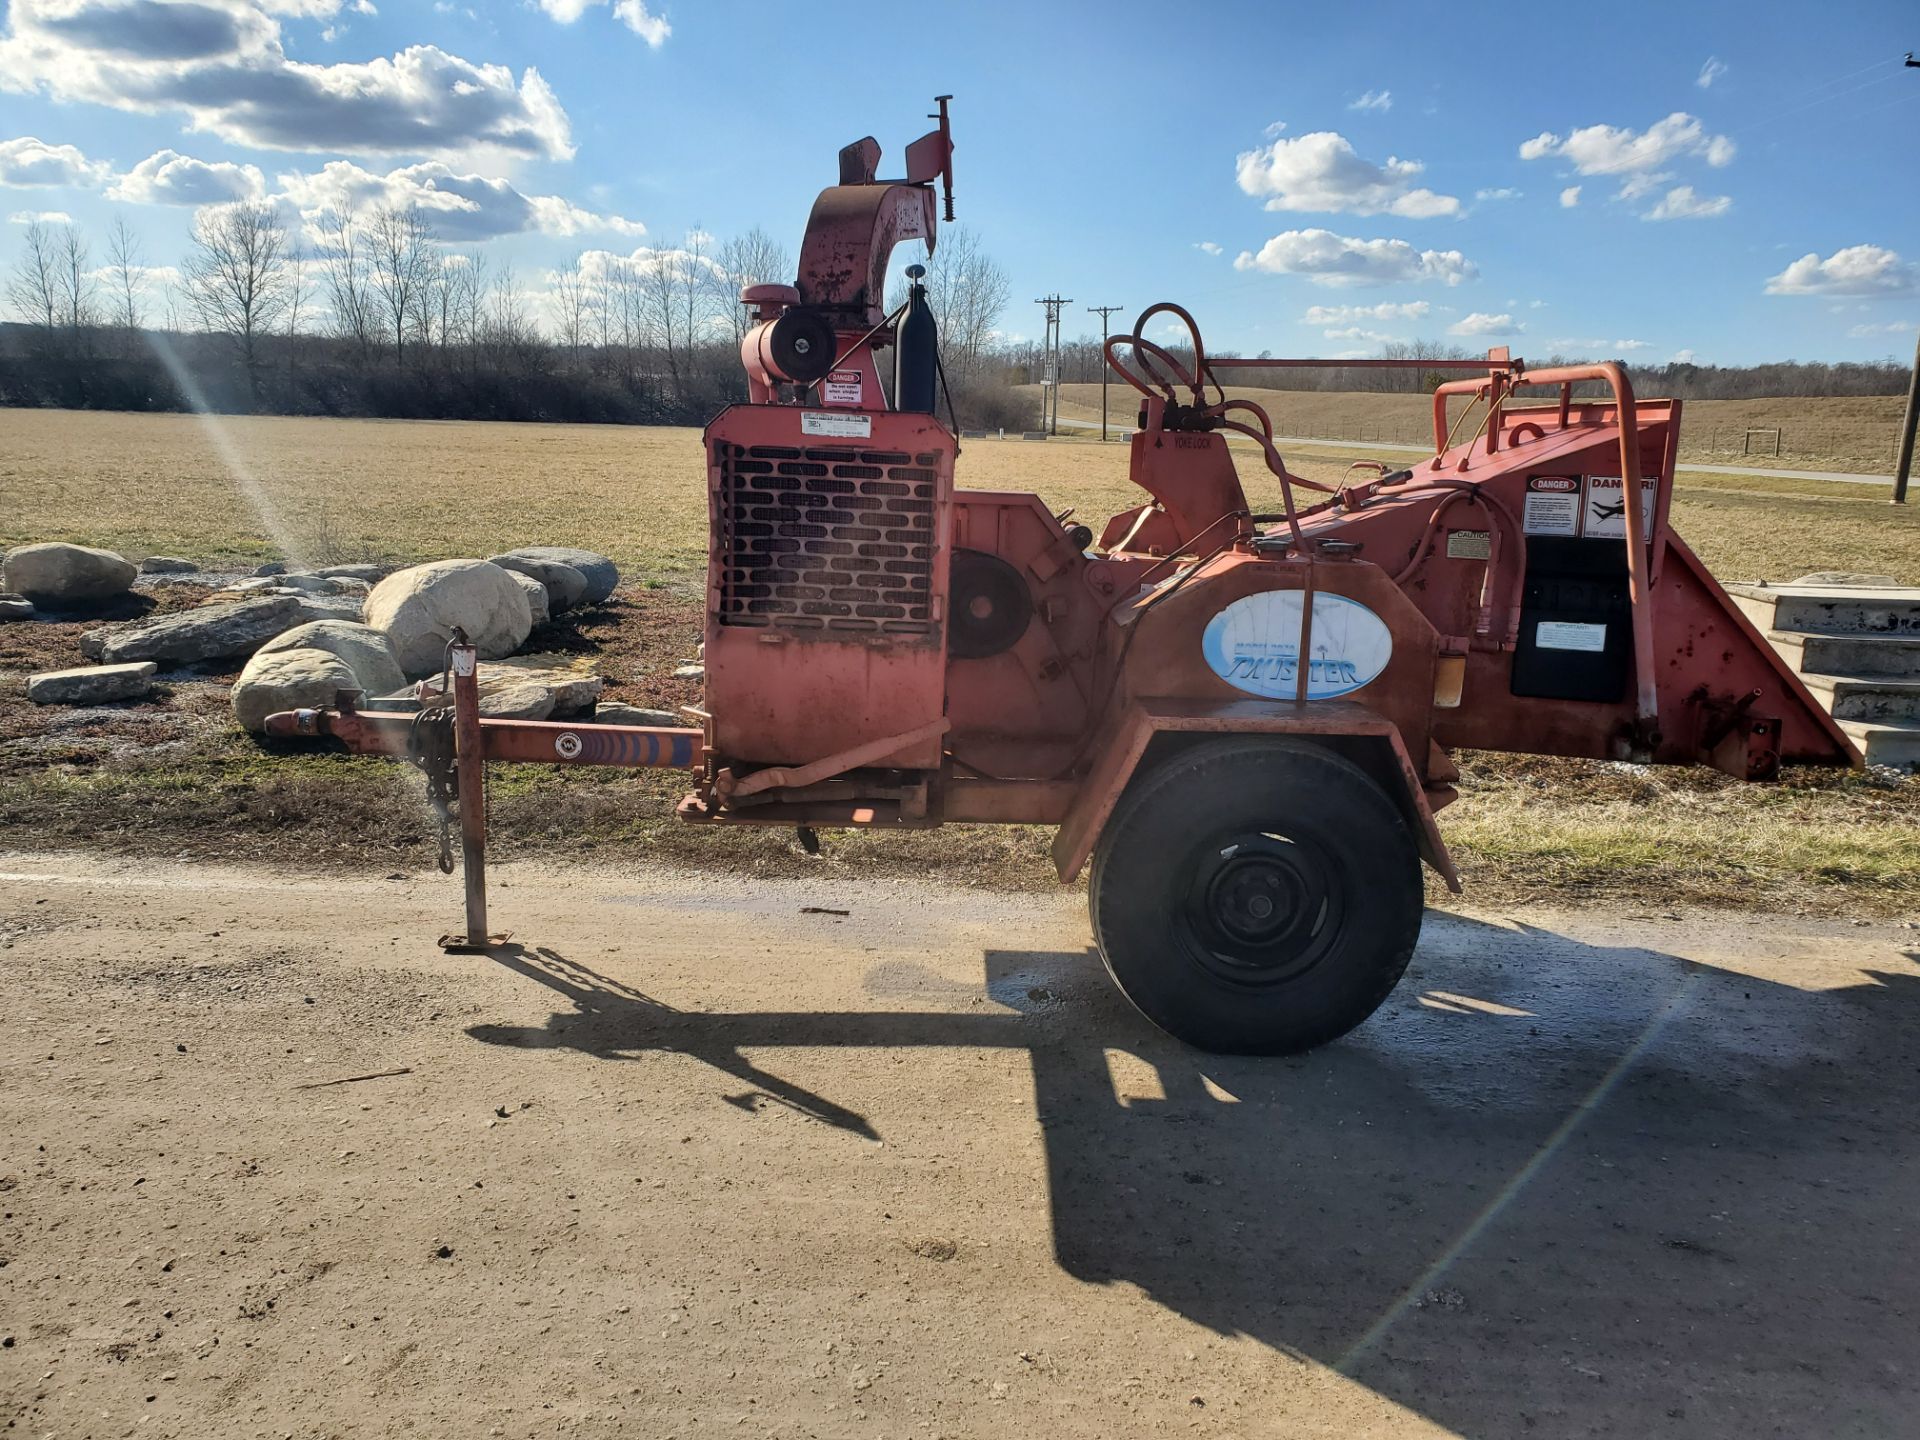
x=1831, y=609
x=1885, y=742
x=1857, y=656
x=1866, y=697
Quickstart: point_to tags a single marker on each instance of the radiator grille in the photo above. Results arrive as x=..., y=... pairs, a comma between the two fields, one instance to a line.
x=835, y=539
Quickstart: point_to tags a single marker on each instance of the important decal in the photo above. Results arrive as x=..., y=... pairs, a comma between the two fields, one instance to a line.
x=843, y=387
x=1254, y=645
x=846, y=427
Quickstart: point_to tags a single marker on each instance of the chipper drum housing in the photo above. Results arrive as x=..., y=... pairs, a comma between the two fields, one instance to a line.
x=1237, y=709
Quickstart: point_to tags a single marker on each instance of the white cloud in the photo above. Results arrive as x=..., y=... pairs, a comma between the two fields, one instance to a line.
x=1355, y=332
x=1321, y=171
x=1854, y=270
x=1617, y=150
x=221, y=64
x=1274, y=129
x=1710, y=72
x=1680, y=203
x=29, y=162
x=365, y=7
x=167, y=177
x=1329, y=259
x=1569, y=197
x=1373, y=100
x=1354, y=314
x=39, y=217
x=634, y=14
x=1481, y=323
x=1683, y=357
x=1892, y=327
x=1610, y=347
x=1207, y=245
x=1505, y=192
x=460, y=207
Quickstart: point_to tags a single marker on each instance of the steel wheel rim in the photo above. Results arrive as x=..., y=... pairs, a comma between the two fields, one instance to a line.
x=1259, y=908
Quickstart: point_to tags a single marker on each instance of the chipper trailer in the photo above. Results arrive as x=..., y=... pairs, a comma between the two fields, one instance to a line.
x=1236, y=702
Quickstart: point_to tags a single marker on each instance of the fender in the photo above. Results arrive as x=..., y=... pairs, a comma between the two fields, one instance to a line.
x=1362, y=733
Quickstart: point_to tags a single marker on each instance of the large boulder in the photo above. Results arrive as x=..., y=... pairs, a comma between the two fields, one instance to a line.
x=364, y=649
x=189, y=637
x=288, y=680
x=601, y=573
x=372, y=574
x=92, y=684
x=537, y=595
x=418, y=608
x=566, y=587
x=54, y=575
x=15, y=607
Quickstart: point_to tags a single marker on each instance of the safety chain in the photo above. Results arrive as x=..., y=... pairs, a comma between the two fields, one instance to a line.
x=430, y=750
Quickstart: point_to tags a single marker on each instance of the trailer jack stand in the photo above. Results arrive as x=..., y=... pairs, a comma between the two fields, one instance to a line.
x=470, y=775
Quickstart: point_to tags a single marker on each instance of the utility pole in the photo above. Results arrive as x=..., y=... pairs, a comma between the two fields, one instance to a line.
x=1052, y=348
x=1103, y=311
x=1905, y=468
x=1912, y=418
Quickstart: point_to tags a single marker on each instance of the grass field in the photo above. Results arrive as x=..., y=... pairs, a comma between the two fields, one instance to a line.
x=1858, y=434
x=177, y=776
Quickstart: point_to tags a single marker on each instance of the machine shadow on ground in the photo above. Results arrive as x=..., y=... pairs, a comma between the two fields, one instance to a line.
x=1551, y=1188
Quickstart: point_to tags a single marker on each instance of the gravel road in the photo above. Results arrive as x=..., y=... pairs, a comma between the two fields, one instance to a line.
x=707, y=1158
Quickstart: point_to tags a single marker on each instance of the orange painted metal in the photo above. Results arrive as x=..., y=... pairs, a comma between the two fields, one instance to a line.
x=1141, y=721
x=885, y=650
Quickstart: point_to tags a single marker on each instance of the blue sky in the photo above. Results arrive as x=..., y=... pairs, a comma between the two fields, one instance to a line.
x=1731, y=182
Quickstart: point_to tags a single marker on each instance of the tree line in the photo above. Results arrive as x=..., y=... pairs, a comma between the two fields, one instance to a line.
x=369, y=312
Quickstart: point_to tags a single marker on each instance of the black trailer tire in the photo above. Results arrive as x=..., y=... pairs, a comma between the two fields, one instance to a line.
x=1256, y=896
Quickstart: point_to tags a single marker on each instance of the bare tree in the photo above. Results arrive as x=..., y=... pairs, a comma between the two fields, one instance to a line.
x=349, y=288
x=754, y=258
x=125, y=267
x=34, y=287
x=236, y=275
x=79, y=291
x=968, y=291
x=573, y=307
x=400, y=245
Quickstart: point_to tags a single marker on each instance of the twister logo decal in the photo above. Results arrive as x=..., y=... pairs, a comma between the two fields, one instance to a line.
x=1254, y=645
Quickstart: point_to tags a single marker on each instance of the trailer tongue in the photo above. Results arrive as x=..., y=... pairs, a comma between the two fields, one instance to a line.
x=1239, y=710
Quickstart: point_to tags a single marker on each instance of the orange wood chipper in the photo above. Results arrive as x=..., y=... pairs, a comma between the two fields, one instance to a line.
x=1237, y=708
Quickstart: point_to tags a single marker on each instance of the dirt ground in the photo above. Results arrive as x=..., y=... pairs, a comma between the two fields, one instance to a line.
x=710, y=1158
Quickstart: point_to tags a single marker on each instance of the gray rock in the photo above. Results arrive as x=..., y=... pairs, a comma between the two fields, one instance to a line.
x=364, y=649
x=187, y=637
x=53, y=574
x=330, y=607
x=566, y=587
x=288, y=680
x=272, y=567
x=92, y=684
x=15, y=607
x=372, y=574
x=530, y=701
x=167, y=565
x=285, y=585
x=538, y=600
x=617, y=712
x=690, y=672
x=418, y=608
x=600, y=572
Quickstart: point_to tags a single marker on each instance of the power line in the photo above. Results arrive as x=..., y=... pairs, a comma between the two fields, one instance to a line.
x=1052, y=349
x=1103, y=311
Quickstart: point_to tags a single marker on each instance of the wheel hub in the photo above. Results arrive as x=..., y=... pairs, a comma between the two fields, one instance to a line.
x=1259, y=909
